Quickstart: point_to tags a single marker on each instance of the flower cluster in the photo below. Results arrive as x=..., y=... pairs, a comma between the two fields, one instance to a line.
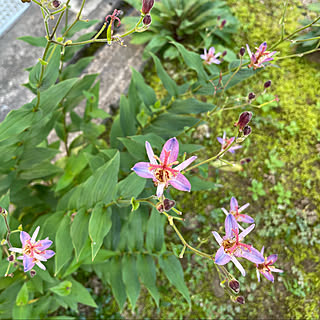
x=260, y=57
x=210, y=57
x=226, y=142
x=33, y=251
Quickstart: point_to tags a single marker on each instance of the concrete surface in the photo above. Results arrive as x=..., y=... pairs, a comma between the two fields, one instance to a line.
x=113, y=63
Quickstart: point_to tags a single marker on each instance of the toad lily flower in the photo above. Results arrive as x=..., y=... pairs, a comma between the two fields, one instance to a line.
x=236, y=211
x=260, y=57
x=231, y=245
x=225, y=143
x=210, y=57
x=266, y=267
x=160, y=169
x=33, y=251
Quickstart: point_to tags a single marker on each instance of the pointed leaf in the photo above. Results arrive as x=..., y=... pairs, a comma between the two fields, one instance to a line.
x=155, y=231
x=23, y=296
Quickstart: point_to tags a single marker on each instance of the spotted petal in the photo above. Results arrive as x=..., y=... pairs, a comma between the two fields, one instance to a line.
x=253, y=255
x=142, y=170
x=245, y=218
x=180, y=182
x=46, y=243
x=28, y=263
x=48, y=254
x=273, y=258
x=221, y=257
x=171, y=145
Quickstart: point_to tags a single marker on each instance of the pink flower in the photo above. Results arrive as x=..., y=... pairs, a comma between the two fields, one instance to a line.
x=260, y=57
x=236, y=211
x=225, y=143
x=266, y=267
x=160, y=169
x=33, y=251
x=210, y=57
x=231, y=246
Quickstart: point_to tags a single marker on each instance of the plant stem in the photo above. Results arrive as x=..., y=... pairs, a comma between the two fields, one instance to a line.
x=76, y=19
x=132, y=30
x=8, y=229
x=41, y=6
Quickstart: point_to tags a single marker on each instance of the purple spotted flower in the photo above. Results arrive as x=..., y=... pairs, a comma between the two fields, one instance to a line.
x=260, y=57
x=160, y=169
x=266, y=267
x=225, y=143
x=33, y=251
x=236, y=211
x=210, y=57
x=232, y=247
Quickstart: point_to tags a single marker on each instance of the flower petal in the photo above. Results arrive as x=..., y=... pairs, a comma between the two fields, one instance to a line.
x=217, y=237
x=46, y=243
x=234, y=204
x=263, y=47
x=262, y=250
x=246, y=232
x=258, y=275
x=160, y=189
x=245, y=206
x=221, y=140
x=253, y=255
x=150, y=153
x=230, y=223
x=245, y=218
x=214, y=60
x=180, y=182
x=40, y=265
x=273, y=258
x=212, y=50
x=28, y=263
x=273, y=269
x=268, y=275
x=39, y=257
x=48, y=254
x=171, y=145
x=142, y=170
x=35, y=234
x=24, y=236
x=185, y=163
x=221, y=257
x=225, y=211
x=238, y=265
x=249, y=51
x=19, y=250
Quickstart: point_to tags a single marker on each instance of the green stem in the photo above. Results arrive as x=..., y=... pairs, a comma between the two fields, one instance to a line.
x=299, y=55
x=304, y=40
x=45, y=22
x=41, y=6
x=76, y=19
x=132, y=30
x=238, y=69
x=8, y=229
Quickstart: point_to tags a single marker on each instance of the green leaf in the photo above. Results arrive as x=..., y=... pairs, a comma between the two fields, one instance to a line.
x=23, y=296
x=62, y=289
x=134, y=205
x=79, y=231
x=190, y=106
x=166, y=80
x=131, y=186
x=116, y=282
x=172, y=268
x=43, y=170
x=192, y=60
x=147, y=272
x=99, y=225
x=81, y=25
x=155, y=231
x=115, y=133
x=33, y=156
x=75, y=70
x=5, y=201
x=168, y=125
x=35, y=41
x=145, y=92
x=127, y=117
x=130, y=279
x=63, y=244
x=135, y=234
x=198, y=184
x=21, y=312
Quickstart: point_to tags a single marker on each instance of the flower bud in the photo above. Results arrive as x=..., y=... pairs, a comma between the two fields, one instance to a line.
x=234, y=285
x=240, y=300
x=56, y=4
x=247, y=130
x=168, y=204
x=10, y=258
x=224, y=53
x=251, y=96
x=242, y=51
x=223, y=23
x=32, y=273
x=244, y=161
x=147, y=6
x=23, y=1
x=160, y=207
x=244, y=119
x=267, y=84
x=147, y=20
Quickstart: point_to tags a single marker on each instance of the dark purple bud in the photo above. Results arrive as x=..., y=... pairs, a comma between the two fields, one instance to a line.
x=11, y=258
x=168, y=204
x=160, y=207
x=224, y=53
x=244, y=161
x=240, y=300
x=244, y=119
x=234, y=285
x=218, y=18
x=32, y=273
x=23, y=1
x=267, y=84
x=147, y=6
x=242, y=51
x=147, y=20
x=223, y=23
x=247, y=130
x=251, y=96
x=56, y=3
